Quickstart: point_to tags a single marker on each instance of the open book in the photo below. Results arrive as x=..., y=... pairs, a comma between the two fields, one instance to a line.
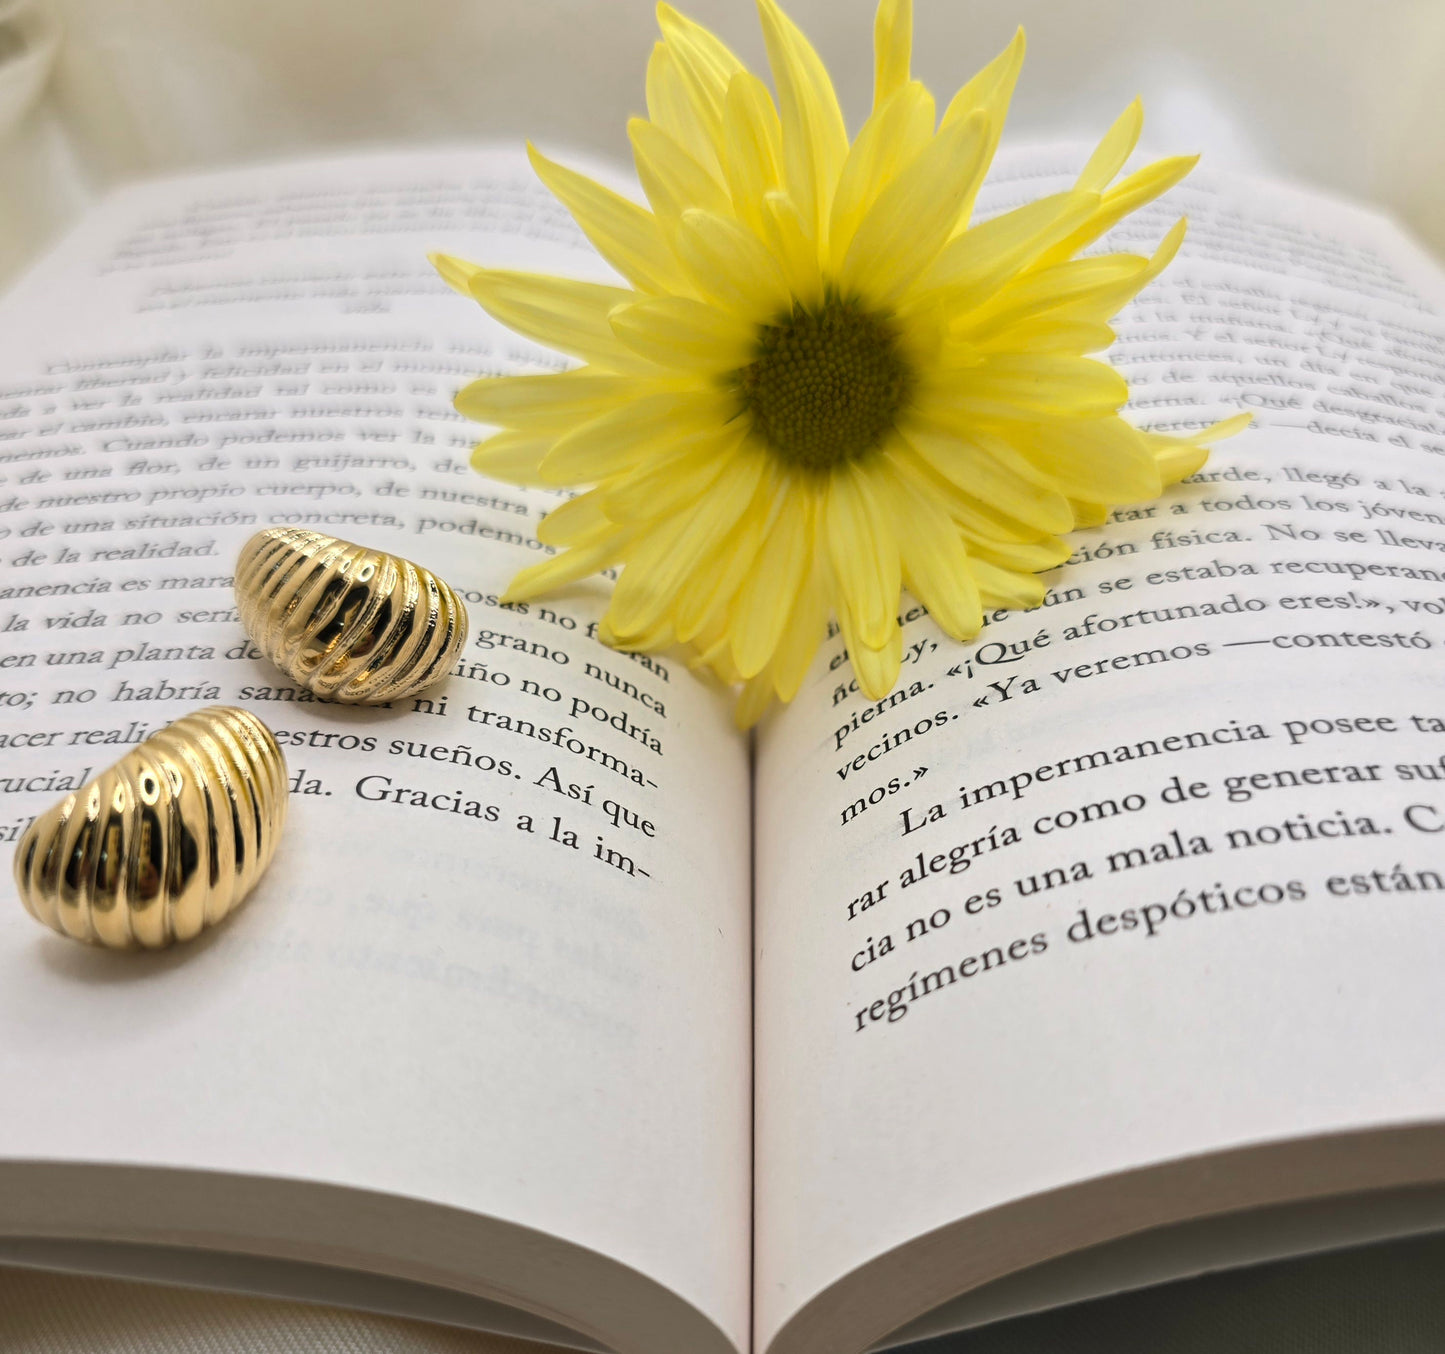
x=1104, y=950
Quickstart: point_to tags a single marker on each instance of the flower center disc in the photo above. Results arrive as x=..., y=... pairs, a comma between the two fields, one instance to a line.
x=825, y=386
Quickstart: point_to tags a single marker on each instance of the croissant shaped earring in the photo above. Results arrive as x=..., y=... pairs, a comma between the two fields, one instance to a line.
x=351, y=624
x=166, y=842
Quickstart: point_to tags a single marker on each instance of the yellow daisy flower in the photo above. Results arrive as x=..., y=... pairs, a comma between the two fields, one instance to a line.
x=823, y=383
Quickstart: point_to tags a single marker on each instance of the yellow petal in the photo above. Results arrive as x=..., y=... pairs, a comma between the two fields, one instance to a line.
x=875, y=669
x=990, y=472
x=914, y=215
x=657, y=637
x=989, y=93
x=671, y=109
x=1089, y=514
x=710, y=652
x=705, y=65
x=731, y=267
x=623, y=437
x=803, y=633
x=1226, y=427
x=805, y=630
x=598, y=551
x=1179, y=461
x=1116, y=147
x=1125, y=197
x=1178, y=457
x=863, y=554
x=1046, y=334
x=703, y=605
x=1105, y=301
x=558, y=312
x=1009, y=385
x=662, y=561
x=673, y=331
x=892, y=48
x=647, y=589
x=512, y=456
x=674, y=477
x=992, y=88
x=1000, y=587
x=973, y=265
x=753, y=703
x=556, y=401
x=672, y=178
x=924, y=342
x=894, y=135
x=578, y=517
x=815, y=140
x=626, y=235
x=935, y=563
x=788, y=242
x=1169, y=246
x=1085, y=285
x=752, y=147
x=455, y=272
x=1101, y=460
x=976, y=516
x=768, y=596
x=1034, y=557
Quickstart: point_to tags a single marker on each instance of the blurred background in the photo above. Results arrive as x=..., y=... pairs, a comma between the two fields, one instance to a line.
x=1342, y=94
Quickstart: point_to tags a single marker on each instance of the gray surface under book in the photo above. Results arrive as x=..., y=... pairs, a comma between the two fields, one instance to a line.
x=1386, y=1298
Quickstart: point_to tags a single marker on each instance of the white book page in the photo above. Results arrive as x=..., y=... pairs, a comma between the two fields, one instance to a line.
x=500, y=961
x=1155, y=870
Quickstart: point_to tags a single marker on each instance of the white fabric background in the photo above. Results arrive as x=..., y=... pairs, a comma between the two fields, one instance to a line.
x=1342, y=94
x=61, y=1314
x=1345, y=95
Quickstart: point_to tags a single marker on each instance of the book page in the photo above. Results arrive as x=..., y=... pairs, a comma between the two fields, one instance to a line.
x=500, y=961
x=1150, y=872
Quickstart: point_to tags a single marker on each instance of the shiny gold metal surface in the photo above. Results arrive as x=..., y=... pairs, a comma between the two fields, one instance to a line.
x=166, y=842
x=351, y=624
